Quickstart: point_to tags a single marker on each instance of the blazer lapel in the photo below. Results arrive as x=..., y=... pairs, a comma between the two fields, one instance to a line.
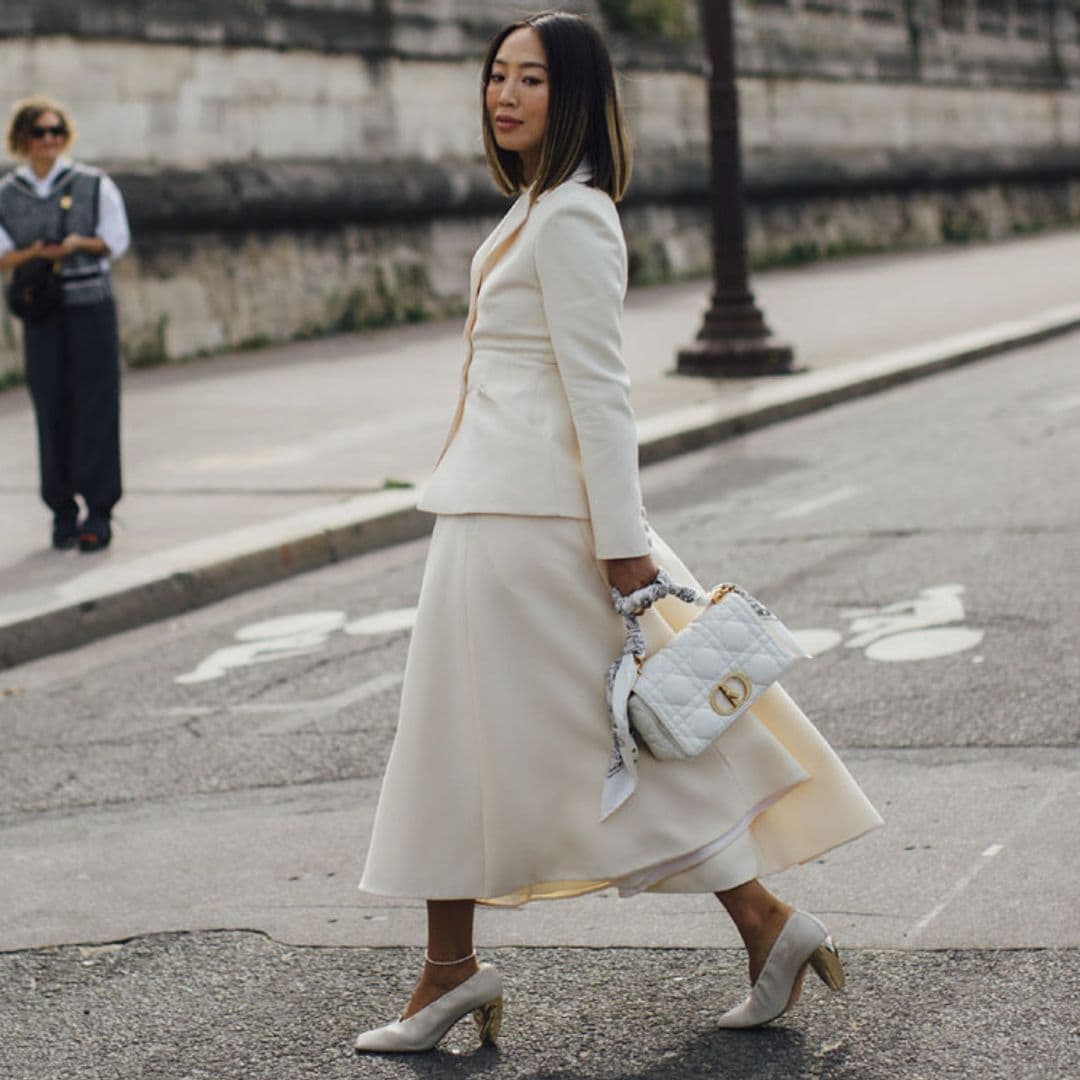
x=491, y=251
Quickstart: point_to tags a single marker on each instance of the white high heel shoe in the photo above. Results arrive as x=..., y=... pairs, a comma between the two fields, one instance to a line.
x=480, y=994
x=803, y=940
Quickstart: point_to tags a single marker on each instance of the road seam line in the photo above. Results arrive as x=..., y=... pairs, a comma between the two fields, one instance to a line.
x=984, y=860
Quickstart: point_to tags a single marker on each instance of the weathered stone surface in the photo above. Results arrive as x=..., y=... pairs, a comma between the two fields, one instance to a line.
x=186, y=293
x=296, y=166
x=965, y=41
x=363, y=26
x=281, y=194
x=671, y=241
x=243, y=289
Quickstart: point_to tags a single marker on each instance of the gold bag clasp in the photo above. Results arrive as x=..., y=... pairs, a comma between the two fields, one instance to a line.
x=730, y=693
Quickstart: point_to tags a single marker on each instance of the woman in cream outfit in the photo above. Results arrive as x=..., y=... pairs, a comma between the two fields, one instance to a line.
x=492, y=792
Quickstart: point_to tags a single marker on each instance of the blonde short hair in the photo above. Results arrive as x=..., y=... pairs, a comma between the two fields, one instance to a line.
x=25, y=114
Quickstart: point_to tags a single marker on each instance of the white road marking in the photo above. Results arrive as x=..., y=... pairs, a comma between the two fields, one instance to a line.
x=272, y=639
x=924, y=644
x=384, y=622
x=252, y=652
x=308, y=622
x=810, y=506
x=291, y=635
x=983, y=861
x=918, y=629
x=1063, y=404
x=934, y=606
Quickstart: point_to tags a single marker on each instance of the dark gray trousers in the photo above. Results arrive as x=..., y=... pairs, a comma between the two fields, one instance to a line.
x=73, y=372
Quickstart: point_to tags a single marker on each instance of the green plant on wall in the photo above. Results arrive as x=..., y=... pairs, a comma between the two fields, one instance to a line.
x=147, y=348
x=8, y=379
x=667, y=19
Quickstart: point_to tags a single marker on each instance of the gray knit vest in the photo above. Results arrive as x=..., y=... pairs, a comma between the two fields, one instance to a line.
x=28, y=218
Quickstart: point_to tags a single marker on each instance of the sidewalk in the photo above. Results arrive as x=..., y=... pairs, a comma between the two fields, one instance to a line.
x=241, y=469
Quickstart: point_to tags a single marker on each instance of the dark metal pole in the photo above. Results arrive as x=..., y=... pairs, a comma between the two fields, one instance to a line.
x=734, y=338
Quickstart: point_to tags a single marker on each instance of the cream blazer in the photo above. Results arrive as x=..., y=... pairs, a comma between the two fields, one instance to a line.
x=543, y=424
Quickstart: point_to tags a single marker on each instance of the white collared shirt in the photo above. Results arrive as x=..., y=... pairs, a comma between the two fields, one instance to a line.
x=112, y=224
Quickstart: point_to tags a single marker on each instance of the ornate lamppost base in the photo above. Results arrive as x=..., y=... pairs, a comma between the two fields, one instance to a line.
x=736, y=358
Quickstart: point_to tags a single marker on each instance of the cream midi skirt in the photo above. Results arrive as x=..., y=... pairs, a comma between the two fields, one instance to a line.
x=492, y=790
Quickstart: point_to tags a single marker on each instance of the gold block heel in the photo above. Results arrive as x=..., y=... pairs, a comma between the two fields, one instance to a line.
x=825, y=961
x=489, y=1021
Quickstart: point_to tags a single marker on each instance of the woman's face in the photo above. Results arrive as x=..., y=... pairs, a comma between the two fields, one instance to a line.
x=48, y=137
x=517, y=97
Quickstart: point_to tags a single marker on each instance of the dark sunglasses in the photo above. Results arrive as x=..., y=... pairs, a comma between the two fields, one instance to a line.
x=40, y=132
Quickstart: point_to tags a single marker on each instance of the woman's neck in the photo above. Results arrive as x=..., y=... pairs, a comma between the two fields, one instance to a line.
x=42, y=167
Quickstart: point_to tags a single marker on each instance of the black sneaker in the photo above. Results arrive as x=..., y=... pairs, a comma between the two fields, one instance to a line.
x=94, y=534
x=65, y=533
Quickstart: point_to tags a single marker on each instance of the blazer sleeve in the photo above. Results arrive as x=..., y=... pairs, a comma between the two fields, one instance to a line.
x=581, y=266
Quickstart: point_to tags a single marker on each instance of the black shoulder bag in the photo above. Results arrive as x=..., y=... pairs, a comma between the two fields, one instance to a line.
x=36, y=290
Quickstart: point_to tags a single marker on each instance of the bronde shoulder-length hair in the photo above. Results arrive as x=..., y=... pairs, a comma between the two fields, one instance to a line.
x=25, y=114
x=584, y=115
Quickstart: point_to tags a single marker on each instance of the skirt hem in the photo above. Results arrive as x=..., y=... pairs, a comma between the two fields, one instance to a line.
x=569, y=889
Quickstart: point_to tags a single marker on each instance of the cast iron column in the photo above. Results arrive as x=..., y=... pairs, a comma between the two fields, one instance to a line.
x=734, y=339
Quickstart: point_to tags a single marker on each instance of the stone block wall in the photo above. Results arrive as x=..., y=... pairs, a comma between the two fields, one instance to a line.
x=302, y=166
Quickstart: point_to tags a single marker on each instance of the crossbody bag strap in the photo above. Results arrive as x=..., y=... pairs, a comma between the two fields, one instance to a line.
x=64, y=180
x=8, y=178
x=64, y=176
x=95, y=214
x=65, y=206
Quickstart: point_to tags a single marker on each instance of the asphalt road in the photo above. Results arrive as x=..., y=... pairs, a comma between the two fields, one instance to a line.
x=200, y=790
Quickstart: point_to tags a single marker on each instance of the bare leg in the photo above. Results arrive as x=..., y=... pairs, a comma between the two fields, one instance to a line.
x=450, y=937
x=758, y=916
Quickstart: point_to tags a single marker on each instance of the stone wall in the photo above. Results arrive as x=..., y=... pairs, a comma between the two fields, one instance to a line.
x=297, y=167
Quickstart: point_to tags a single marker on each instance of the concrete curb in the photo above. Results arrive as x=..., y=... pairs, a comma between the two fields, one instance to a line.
x=776, y=399
x=192, y=576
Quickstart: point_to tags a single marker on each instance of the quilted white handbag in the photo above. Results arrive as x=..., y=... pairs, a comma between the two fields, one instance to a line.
x=689, y=692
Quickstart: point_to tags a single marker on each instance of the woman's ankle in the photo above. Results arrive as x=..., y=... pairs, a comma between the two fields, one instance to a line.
x=753, y=908
x=763, y=918
x=449, y=974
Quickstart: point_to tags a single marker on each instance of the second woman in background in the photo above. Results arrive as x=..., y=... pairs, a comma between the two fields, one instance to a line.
x=56, y=211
